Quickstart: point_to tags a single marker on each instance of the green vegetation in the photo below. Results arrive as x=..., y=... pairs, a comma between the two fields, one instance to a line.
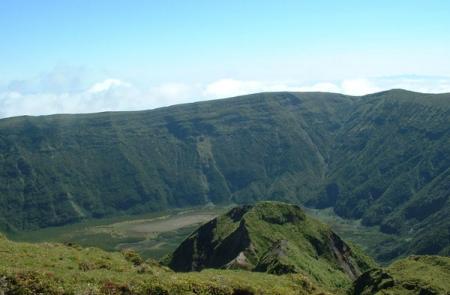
x=58, y=269
x=152, y=235
x=52, y=268
x=392, y=168
x=383, y=159
x=272, y=237
x=370, y=238
x=413, y=275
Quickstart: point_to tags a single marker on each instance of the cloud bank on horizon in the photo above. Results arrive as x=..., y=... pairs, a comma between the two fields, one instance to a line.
x=134, y=55
x=66, y=92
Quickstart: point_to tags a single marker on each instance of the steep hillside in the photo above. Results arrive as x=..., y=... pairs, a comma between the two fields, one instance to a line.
x=414, y=275
x=383, y=158
x=392, y=168
x=58, y=269
x=59, y=169
x=271, y=237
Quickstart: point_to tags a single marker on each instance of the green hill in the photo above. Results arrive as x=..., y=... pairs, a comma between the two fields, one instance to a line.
x=57, y=269
x=382, y=158
x=271, y=237
x=413, y=275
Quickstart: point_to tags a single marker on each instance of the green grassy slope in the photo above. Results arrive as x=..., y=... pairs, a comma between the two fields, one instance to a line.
x=383, y=158
x=58, y=269
x=272, y=237
x=413, y=275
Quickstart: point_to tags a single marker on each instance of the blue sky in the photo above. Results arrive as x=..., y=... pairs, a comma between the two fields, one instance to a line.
x=145, y=54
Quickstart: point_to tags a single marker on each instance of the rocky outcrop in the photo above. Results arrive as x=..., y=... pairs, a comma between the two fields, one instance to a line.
x=343, y=255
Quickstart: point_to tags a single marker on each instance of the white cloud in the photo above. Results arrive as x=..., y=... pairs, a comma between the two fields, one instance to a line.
x=426, y=84
x=232, y=87
x=53, y=93
x=358, y=87
x=110, y=94
x=107, y=85
x=321, y=87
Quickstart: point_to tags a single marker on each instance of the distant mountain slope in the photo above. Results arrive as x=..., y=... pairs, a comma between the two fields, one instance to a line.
x=59, y=169
x=384, y=158
x=271, y=237
x=392, y=167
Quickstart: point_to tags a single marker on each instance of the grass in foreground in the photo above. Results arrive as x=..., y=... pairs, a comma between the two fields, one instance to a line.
x=59, y=269
x=423, y=275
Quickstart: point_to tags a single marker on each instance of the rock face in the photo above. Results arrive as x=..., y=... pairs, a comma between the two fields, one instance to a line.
x=423, y=275
x=271, y=237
